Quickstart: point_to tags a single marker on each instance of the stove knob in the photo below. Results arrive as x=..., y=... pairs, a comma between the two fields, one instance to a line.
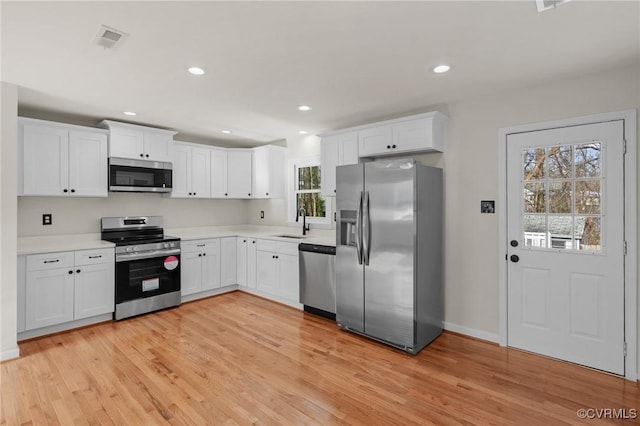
x=167, y=245
x=129, y=249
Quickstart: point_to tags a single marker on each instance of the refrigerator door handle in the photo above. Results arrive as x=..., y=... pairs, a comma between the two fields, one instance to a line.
x=359, y=230
x=366, y=229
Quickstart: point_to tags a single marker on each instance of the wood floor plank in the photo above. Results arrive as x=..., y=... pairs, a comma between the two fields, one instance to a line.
x=237, y=359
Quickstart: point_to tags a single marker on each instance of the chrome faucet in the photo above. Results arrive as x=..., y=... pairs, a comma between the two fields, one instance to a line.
x=305, y=227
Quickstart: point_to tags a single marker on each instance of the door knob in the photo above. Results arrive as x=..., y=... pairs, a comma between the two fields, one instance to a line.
x=514, y=258
x=514, y=243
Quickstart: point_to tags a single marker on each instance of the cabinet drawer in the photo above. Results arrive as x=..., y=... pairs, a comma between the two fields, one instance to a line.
x=198, y=245
x=40, y=262
x=268, y=245
x=287, y=248
x=94, y=257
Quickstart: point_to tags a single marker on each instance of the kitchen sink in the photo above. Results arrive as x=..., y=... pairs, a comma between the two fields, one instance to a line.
x=297, y=237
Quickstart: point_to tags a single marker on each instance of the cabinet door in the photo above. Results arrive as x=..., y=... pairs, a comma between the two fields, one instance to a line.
x=45, y=160
x=87, y=164
x=94, y=292
x=242, y=261
x=190, y=273
x=200, y=173
x=157, y=146
x=181, y=159
x=348, y=148
x=375, y=141
x=251, y=262
x=49, y=297
x=239, y=174
x=211, y=265
x=414, y=135
x=267, y=272
x=228, y=255
x=126, y=143
x=219, y=173
x=328, y=163
x=261, y=177
x=288, y=277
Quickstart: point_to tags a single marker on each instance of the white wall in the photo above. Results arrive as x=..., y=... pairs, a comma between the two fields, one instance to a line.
x=82, y=215
x=8, y=219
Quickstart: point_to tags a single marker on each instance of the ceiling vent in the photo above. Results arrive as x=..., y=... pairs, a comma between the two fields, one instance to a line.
x=110, y=38
x=549, y=4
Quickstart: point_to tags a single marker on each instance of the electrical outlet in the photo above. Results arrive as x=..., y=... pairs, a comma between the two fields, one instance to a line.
x=261, y=214
x=47, y=219
x=487, y=206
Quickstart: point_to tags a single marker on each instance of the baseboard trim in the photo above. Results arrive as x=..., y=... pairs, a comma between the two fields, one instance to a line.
x=472, y=332
x=10, y=354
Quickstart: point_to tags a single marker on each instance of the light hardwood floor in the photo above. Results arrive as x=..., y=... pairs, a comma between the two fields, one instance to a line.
x=239, y=359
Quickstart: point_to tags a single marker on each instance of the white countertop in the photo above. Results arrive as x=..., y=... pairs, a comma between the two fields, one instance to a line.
x=57, y=243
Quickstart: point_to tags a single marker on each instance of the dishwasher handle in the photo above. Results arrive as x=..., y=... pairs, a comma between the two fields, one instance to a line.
x=316, y=248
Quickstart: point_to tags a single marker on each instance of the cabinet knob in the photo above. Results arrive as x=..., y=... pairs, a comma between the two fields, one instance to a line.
x=225, y=194
x=249, y=194
x=73, y=190
x=65, y=190
x=204, y=254
x=70, y=272
x=199, y=254
x=141, y=155
x=253, y=242
x=267, y=193
x=77, y=271
x=189, y=193
x=388, y=146
x=194, y=193
x=392, y=146
x=147, y=156
x=244, y=241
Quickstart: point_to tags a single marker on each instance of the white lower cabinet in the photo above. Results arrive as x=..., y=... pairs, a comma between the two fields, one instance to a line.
x=68, y=286
x=200, y=270
x=246, y=262
x=228, y=258
x=277, y=269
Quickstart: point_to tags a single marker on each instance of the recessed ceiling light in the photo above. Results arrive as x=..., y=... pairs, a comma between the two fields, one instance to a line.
x=441, y=68
x=226, y=132
x=196, y=70
x=304, y=107
x=303, y=132
x=129, y=113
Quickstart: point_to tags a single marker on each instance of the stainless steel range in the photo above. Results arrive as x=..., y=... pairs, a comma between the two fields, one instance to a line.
x=147, y=264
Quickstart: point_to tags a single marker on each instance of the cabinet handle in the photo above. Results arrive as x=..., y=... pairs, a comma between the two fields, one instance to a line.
x=65, y=190
x=52, y=261
x=70, y=272
x=95, y=257
x=201, y=245
x=77, y=271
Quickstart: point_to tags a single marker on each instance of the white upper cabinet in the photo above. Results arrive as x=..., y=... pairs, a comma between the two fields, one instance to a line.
x=268, y=171
x=415, y=134
x=239, y=180
x=191, y=171
x=61, y=160
x=219, y=173
x=139, y=142
x=336, y=150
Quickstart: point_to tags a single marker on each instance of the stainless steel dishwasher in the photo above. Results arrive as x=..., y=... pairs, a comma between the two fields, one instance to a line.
x=318, y=279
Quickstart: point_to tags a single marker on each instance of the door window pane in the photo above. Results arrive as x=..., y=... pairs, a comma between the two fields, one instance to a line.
x=535, y=230
x=534, y=198
x=534, y=159
x=561, y=232
x=588, y=160
x=559, y=162
x=588, y=196
x=589, y=231
x=560, y=197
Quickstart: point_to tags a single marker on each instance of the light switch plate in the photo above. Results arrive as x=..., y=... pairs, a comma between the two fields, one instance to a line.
x=487, y=206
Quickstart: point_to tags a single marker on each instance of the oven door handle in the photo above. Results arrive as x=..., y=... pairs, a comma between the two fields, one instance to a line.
x=124, y=257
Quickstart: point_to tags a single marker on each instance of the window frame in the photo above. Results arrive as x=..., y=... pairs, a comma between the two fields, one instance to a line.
x=292, y=172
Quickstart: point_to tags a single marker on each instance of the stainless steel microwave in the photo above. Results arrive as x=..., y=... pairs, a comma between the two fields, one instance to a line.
x=139, y=175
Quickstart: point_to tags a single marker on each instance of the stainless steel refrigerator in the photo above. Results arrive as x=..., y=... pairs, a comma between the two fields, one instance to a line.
x=389, y=252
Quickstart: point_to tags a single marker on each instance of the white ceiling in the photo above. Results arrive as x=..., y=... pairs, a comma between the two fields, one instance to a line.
x=353, y=62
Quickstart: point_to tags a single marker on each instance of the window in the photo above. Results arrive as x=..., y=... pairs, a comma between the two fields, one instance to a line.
x=305, y=183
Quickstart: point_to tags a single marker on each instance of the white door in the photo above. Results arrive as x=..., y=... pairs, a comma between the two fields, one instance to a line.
x=94, y=292
x=219, y=173
x=228, y=265
x=181, y=171
x=201, y=173
x=242, y=261
x=261, y=175
x=329, y=161
x=565, y=205
x=126, y=143
x=190, y=273
x=211, y=265
x=157, y=146
x=239, y=174
x=45, y=156
x=252, y=247
x=288, y=277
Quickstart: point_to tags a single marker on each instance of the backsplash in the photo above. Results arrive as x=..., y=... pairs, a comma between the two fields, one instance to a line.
x=82, y=215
